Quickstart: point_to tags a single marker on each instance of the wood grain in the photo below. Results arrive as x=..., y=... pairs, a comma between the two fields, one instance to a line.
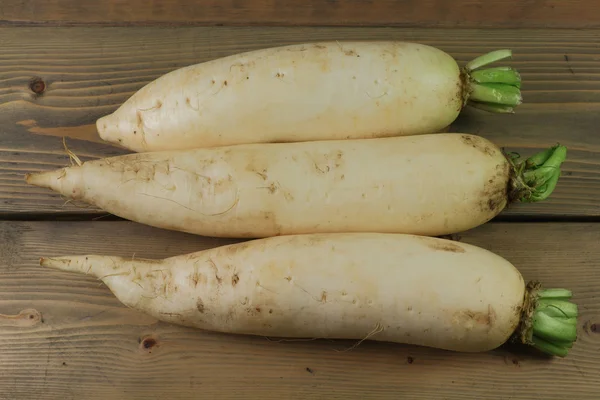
x=90, y=72
x=458, y=13
x=70, y=338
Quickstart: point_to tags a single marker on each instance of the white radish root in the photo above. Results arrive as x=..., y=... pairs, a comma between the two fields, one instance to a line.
x=305, y=92
x=384, y=287
x=429, y=184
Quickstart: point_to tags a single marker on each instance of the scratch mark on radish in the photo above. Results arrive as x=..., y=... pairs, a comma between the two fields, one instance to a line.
x=376, y=97
x=115, y=274
x=171, y=200
x=319, y=168
x=214, y=266
x=267, y=289
x=207, y=178
x=305, y=291
x=171, y=314
x=262, y=174
x=220, y=88
x=137, y=283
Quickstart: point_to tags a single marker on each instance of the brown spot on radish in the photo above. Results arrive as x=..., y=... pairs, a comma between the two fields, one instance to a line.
x=225, y=83
x=410, y=360
x=258, y=309
x=273, y=188
x=200, y=306
x=288, y=278
x=495, y=194
x=321, y=169
x=594, y=328
x=324, y=297
x=195, y=278
x=320, y=46
x=478, y=143
x=491, y=316
x=442, y=245
x=270, y=311
x=492, y=204
x=262, y=174
x=214, y=267
x=235, y=279
x=351, y=53
x=469, y=317
x=288, y=196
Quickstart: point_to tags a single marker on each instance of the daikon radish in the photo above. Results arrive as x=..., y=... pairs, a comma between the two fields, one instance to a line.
x=305, y=92
x=386, y=287
x=427, y=184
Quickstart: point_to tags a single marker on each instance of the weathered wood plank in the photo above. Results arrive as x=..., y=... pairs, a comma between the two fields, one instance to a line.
x=458, y=13
x=75, y=340
x=89, y=72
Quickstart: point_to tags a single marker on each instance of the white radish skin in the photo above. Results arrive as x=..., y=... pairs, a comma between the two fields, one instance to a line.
x=301, y=92
x=387, y=287
x=429, y=184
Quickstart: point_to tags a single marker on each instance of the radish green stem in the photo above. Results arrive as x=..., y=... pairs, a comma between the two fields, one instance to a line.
x=549, y=347
x=539, y=159
x=505, y=75
x=488, y=87
x=555, y=294
x=567, y=308
x=498, y=93
x=548, y=324
x=488, y=58
x=535, y=179
x=550, y=328
x=491, y=107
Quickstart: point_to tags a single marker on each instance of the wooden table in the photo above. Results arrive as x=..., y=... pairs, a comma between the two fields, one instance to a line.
x=65, y=336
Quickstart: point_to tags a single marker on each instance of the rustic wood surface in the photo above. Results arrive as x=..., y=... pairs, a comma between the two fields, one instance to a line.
x=84, y=73
x=457, y=13
x=64, y=335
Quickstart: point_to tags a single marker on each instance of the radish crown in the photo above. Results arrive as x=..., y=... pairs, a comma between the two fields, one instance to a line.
x=535, y=178
x=549, y=320
x=492, y=89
